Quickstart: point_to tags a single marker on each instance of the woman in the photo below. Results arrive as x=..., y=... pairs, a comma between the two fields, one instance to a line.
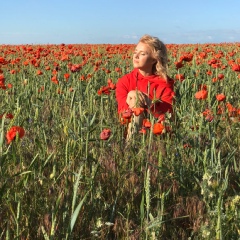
x=148, y=85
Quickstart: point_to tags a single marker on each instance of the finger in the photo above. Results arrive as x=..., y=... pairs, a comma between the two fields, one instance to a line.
x=140, y=96
x=146, y=99
x=142, y=99
x=132, y=103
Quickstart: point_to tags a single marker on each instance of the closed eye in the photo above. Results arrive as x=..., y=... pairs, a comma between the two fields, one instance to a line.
x=142, y=53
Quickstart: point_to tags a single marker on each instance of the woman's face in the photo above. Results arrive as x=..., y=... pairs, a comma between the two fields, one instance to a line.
x=142, y=57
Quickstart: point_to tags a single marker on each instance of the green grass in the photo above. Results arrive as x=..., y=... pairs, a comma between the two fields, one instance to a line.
x=60, y=181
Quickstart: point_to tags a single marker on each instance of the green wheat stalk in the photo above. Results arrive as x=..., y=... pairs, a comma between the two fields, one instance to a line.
x=147, y=191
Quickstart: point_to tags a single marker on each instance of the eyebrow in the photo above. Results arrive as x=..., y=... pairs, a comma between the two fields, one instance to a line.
x=140, y=50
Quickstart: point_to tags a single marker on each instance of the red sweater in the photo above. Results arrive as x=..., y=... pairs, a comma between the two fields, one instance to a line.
x=154, y=86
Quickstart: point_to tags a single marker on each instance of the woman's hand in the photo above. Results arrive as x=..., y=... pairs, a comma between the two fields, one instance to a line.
x=137, y=98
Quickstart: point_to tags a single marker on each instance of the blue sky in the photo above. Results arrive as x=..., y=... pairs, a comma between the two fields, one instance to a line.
x=118, y=21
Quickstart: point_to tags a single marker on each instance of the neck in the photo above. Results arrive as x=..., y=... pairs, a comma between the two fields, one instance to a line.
x=145, y=73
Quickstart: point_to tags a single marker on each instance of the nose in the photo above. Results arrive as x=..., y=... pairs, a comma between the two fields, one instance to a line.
x=136, y=55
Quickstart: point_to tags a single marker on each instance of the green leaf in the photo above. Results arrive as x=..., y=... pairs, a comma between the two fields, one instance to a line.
x=77, y=210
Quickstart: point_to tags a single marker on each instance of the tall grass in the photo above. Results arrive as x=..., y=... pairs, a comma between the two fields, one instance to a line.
x=60, y=181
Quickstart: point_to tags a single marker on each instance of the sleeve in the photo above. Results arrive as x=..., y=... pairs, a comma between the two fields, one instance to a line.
x=164, y=101
x=122, y=90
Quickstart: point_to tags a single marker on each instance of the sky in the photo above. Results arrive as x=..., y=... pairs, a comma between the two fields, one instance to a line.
x=118, y=21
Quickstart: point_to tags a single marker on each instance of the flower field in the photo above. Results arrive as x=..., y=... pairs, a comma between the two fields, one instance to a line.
x=66, y=171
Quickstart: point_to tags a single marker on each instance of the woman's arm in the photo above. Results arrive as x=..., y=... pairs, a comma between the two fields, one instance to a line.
x=122, y=90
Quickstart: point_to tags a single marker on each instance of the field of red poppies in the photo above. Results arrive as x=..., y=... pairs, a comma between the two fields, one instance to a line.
x=66, y=172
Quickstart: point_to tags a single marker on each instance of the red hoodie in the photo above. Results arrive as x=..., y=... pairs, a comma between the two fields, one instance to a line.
x=154, y=86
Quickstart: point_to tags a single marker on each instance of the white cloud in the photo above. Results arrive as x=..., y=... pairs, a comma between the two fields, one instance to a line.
x=204, y=36
x=131, y=36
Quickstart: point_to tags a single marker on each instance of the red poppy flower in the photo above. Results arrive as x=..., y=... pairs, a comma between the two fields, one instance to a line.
x=12, y=133
x=232, y=111
x=39, y=72
x=75, y=68
x=217, y=65
x=82, y=78
x=66, y=76
x=111, y=85
x=202, y=55
x=179, y=77
x=178, y=64
x=220, y=76
x=25, y=63
x=223, y=67
x=54, y=72
x=187, y=145
x=127, y=114
x=3, y=61
x=54, y=80
x=137, y=111
x=2, y=80
x=105, y=134
x=117, y=69
x=209, y=73
x=209, y=118
x=9, y=85
x=146, y=123
x=186, y=57
x=208, y=114
x=158, y=128
x=236, y=67
x=220, y=97
x=202, y=87
x=202, y=94
x=89, y=76
x=8, y=115
x=104, y=90
x=220, y=110
x=65, y=57
x=143, y=130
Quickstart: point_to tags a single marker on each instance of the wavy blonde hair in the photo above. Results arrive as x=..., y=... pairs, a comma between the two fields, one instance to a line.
x=159, y=52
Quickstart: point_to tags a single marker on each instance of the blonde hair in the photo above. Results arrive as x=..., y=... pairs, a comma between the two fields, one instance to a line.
x=159, y=52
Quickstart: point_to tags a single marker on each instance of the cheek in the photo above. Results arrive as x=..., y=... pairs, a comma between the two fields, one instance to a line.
x=144, y=59
x=149, y=61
